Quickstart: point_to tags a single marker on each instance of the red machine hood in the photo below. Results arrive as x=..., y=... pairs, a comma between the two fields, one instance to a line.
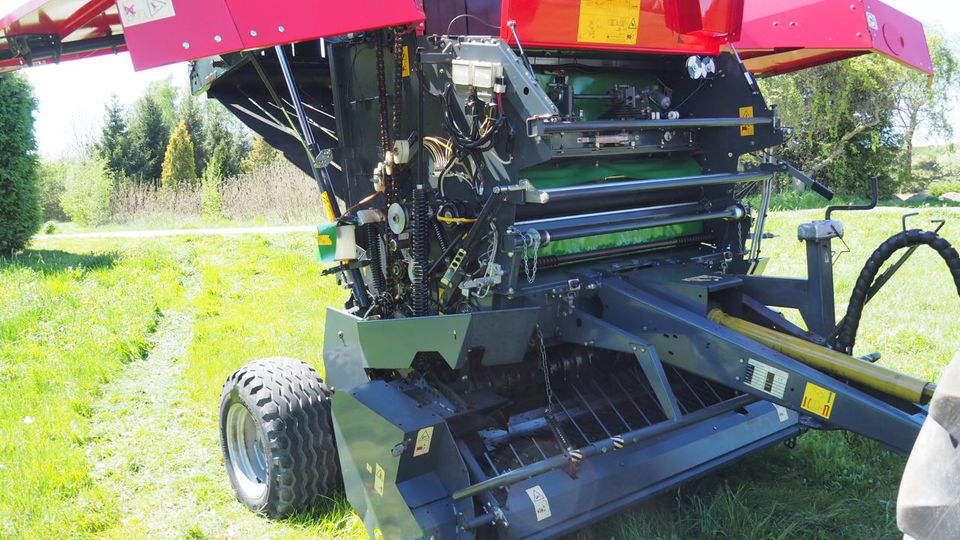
x=788, y=35
x=776, y=36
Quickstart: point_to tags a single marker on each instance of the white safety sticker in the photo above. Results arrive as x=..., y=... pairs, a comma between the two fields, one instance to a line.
x=540, y=503
x=782, y=412
x=378, y=480
x=766, y=378
x=134, y=12
x=424, y=436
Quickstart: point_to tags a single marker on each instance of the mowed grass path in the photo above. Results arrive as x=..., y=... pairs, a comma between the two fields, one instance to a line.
x=112, y=354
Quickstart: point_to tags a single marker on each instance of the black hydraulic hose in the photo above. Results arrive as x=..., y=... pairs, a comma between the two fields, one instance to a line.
x=847, y=335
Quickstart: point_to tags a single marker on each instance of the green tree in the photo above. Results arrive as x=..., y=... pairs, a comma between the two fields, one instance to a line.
x=19, y=193
x=923, y=102
x=114, y=143
x=52, y=187
x=261, y=154
x=88, y=189
x=842, y=114
x=211, y=200
x=224, y=132
x=191, y=114
x=148, y=140
x=179, y=166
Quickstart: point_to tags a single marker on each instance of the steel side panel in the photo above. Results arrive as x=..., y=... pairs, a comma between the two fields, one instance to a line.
x=659, y=463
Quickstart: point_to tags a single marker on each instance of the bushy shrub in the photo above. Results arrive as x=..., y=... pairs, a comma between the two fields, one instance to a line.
x=88, y=186
x=937, y=189
x=19, y=197
x=52, y=176
x=210, y=197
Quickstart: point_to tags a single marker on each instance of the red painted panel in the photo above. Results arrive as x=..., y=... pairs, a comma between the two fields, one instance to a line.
x=561, y=23
x=263, y=24
x=788, y=35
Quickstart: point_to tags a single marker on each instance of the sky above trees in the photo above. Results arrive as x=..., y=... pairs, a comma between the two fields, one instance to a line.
x=72, y=96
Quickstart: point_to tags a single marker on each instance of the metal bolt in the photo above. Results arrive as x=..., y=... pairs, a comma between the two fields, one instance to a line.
x=454, y=334
x=253, y=33
x=217, y=38
x=737, y=378
x=281, y=29
x=186, y=45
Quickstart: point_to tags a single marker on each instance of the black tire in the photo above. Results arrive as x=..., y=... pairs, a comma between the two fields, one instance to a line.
x=277, y=438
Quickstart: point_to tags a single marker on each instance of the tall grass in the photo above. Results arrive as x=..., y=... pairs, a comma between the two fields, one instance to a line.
x=277, y=193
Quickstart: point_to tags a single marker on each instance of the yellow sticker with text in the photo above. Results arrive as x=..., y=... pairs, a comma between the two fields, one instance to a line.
x=747, y=130
x=406, y=61
x=609, y=21
x=818, y=400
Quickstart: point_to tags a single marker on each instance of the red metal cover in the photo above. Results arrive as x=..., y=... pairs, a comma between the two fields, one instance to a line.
x=190, y=29
x=667, y=26
x=789, y=35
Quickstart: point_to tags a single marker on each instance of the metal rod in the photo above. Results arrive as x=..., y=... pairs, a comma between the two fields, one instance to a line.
x=732, y=213
x=617, y=216
x=580, y=193
x=638, y=407
x=605, y=445
x=552, y=261
x=612, y=407
x=881, y=379
x=592, y=412
x=613, y=125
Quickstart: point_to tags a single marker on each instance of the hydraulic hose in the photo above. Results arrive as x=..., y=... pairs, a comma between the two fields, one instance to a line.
x=847, y=333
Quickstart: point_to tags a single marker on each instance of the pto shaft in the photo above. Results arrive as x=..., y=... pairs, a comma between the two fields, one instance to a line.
x=881, y=379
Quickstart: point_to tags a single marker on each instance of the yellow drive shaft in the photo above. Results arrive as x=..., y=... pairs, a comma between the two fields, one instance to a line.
x=876, y=377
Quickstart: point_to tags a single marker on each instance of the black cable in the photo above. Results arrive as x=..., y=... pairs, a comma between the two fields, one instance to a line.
x=847, y=333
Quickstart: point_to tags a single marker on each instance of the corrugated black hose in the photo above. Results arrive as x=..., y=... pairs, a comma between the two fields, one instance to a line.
x=847, y=335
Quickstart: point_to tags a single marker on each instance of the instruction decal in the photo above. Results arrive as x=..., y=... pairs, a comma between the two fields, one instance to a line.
x=766, y=378
x=424, y=436
x=405, y=69
x=747, y=130
x=134, y=12
x=540, y=503
x=609, y=21
x=378, y=481
x=781, y=412
x=818, y=400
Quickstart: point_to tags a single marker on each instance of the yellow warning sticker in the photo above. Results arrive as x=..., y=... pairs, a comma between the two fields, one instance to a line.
x=609, y=21
x=747, y=130
x=818, y=400
x=424, y=436
x=406, y=61
x=324, y=240
x=378, y=480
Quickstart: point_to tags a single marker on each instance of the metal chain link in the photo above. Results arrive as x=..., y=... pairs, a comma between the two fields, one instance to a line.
x=531, y=242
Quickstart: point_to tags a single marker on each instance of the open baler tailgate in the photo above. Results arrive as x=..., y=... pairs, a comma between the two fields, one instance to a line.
x=158, y=32
x=790, y=35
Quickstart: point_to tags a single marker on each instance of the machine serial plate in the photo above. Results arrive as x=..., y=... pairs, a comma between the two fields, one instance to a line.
x=766, y=378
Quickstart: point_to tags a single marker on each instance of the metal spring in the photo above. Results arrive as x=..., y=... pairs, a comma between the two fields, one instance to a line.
x=373, y=252
x=421, y=252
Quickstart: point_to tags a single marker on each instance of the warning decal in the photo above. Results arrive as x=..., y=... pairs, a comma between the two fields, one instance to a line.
x=609, y=21
x=747, y=130
x=766, y=378
x=424, y=436
x=782, y=413
x=540, y=503
x=378, y=480
x=818, y=400
x=134, y=12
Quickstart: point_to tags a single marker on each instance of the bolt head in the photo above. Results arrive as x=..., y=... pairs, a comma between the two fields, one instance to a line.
x=253, y=33
x=186, y=45
x=281, y=29
x=218, y=38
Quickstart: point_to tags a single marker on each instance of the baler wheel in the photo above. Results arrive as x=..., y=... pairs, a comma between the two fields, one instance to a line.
x=277, y=438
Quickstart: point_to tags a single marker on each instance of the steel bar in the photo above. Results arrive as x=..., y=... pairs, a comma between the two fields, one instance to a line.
x=605, y=445
x=583, y=194
x=614, y=125
x=623, y=223
x=881, y=379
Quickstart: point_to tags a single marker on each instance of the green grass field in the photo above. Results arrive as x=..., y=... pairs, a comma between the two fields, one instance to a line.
x=112, y=354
